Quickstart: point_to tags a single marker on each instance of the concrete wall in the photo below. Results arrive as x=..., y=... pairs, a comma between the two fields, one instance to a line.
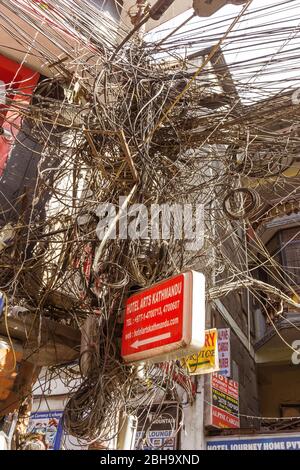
x=278, y=385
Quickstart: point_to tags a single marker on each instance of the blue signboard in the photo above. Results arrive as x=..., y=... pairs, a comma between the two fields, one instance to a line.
x=263, y=442
x=49, y=424
x=1, y=303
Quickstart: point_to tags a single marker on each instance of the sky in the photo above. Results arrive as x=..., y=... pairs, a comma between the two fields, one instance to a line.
x=250, y=43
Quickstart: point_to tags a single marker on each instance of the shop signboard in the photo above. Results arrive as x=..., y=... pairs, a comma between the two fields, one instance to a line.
x=275, y=441
x=224, y=352
x=206, y=360
x=223, y=409
x=17, y=84
x=158, y=427
x=47, y=423
x=166, y=320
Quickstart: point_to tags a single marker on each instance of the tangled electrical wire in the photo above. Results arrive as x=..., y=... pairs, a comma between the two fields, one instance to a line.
x=152, y=122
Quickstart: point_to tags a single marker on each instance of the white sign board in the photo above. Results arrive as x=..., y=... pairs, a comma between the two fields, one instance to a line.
x=224, y=352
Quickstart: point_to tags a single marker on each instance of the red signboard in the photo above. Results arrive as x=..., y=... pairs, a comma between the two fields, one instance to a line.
x=16, y=87
x=222, y=419
x=225, y=402
x=168, y=319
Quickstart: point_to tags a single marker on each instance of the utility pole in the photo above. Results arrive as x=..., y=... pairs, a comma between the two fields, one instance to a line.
x=192, y=433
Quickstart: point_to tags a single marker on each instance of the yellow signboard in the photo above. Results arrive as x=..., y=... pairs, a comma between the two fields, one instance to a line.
x=207, y=359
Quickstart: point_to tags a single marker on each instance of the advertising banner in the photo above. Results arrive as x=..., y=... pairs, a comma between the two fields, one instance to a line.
x=288, y=441
x=47, y=423
x=157, y=427
x=206, y=361
x=224, y=406
x=224, y=352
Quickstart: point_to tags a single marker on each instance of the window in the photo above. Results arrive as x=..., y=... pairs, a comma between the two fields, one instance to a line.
x=290, y=410
x=290, y=242
x=284, y=248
